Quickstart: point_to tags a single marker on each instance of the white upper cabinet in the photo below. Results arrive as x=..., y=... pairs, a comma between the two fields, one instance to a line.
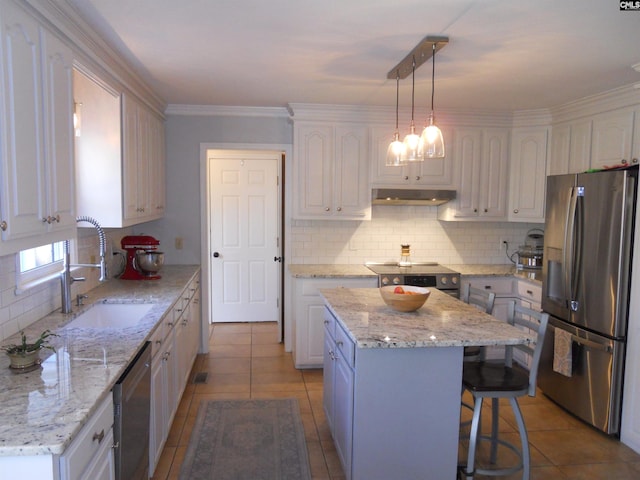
x=37, y=203
x=570, y=148
x=143, y=162
x=558, y=162
x=119, y=156
x=482, y=155
x=437, y=172
x=611, y=138
x=528, y=178
x=331, y=174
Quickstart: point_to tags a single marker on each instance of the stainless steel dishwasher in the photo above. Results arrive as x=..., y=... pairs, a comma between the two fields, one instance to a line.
x=132, y=400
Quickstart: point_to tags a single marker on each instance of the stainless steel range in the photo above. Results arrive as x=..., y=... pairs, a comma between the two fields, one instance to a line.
x=429, y=274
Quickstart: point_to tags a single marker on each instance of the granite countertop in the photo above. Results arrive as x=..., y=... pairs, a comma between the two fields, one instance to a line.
x=443, y=321
x=41, y=411
x=301, y=270
x=497, y=270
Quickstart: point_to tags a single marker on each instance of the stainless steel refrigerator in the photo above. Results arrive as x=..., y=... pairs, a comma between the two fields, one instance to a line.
x=588, y=244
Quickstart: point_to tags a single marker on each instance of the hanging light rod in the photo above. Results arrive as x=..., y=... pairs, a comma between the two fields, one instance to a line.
x=420, y=54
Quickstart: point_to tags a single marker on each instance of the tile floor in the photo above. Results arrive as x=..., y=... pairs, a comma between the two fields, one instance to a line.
x=245, y=361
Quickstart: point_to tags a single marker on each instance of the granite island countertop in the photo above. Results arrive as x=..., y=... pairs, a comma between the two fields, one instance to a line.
x=43, y=410
x=443, y=321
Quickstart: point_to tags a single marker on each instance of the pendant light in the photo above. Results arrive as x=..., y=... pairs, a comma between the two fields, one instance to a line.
x=431, y=138
x=396, y=152
x=413, y=142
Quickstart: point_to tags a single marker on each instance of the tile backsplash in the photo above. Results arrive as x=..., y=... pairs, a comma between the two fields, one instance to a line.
x=17, y=311
x=356, y=242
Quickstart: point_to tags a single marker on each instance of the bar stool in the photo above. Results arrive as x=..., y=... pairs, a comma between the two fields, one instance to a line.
x=483, y=300
x=504, y=380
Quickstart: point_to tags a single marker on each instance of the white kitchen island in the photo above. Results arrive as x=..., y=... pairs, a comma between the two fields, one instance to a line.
x=392, y=381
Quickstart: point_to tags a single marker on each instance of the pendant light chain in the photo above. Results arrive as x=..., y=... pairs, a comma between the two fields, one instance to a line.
x=397, y=97
x=433, y=76
x=413, y=87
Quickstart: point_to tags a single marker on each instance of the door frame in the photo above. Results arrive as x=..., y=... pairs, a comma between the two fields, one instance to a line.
x=285, y=228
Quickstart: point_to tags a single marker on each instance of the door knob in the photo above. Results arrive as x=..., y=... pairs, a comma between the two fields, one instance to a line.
x=216, y=254
x=277, y=259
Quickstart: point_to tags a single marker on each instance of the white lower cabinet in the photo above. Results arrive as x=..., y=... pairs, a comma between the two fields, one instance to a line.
x=338, y=388
x=308, y=317
x=90, y=455
x=507, y=289
x=174, y=348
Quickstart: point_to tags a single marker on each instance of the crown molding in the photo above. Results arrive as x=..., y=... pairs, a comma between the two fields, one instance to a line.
x=379, y=115
x=226, y=111
x=626, y=96
x=92, y=52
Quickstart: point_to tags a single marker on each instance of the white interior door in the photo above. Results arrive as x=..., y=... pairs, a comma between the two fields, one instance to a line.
x=244, y=236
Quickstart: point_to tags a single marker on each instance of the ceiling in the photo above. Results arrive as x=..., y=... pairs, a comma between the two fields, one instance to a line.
x=503, y=55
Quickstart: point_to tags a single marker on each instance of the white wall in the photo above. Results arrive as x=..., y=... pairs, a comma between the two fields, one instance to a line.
x=184, y=134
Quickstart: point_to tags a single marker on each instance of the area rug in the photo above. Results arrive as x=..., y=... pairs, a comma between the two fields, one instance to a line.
x=247, y=440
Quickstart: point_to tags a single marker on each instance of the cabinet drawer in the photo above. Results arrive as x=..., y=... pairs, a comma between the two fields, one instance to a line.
x=329, y=323
x=529, y=291
x=88, y=442
x=345, y=348
x=498, y=285
x=157, y=339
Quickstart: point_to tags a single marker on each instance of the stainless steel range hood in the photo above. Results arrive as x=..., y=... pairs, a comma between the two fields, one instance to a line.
x=400, y=196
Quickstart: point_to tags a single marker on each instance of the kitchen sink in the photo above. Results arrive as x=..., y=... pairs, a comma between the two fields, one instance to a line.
x=111, y=315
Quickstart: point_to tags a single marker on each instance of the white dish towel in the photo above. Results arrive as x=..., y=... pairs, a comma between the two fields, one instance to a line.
x=562, y=356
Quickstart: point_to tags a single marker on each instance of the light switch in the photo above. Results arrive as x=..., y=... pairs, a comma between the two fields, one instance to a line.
x=179, y=243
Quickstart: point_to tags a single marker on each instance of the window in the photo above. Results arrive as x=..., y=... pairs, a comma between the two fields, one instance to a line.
x=38, y=264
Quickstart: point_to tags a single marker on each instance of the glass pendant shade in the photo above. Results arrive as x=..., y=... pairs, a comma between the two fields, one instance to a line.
x=413, y=145
x=396, y=153
x=432, y=141
x=396, y=156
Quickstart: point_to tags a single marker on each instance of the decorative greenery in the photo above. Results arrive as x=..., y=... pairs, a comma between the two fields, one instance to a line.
x=25, y=347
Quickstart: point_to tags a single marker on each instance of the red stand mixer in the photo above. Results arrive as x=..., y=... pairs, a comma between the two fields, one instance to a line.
x=143, y=259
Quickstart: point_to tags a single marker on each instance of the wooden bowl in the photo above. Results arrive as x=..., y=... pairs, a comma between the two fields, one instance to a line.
x=411, y=300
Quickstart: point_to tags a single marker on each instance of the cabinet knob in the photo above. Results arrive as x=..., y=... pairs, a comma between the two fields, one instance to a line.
x=634, y=160
x=339, y=209
x=98, y=436
x=623, y=161
x=3, y=226
x=326, y=209
x=406, y=177
x=417, y=177
x=486, y=210
x=475, y=210
x=515, y=210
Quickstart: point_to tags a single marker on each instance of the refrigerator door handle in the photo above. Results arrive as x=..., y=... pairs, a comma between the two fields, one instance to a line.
x=592, y=345
x=568, y=247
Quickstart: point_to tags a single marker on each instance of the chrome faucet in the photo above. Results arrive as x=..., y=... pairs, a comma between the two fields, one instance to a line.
x=66, y=279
